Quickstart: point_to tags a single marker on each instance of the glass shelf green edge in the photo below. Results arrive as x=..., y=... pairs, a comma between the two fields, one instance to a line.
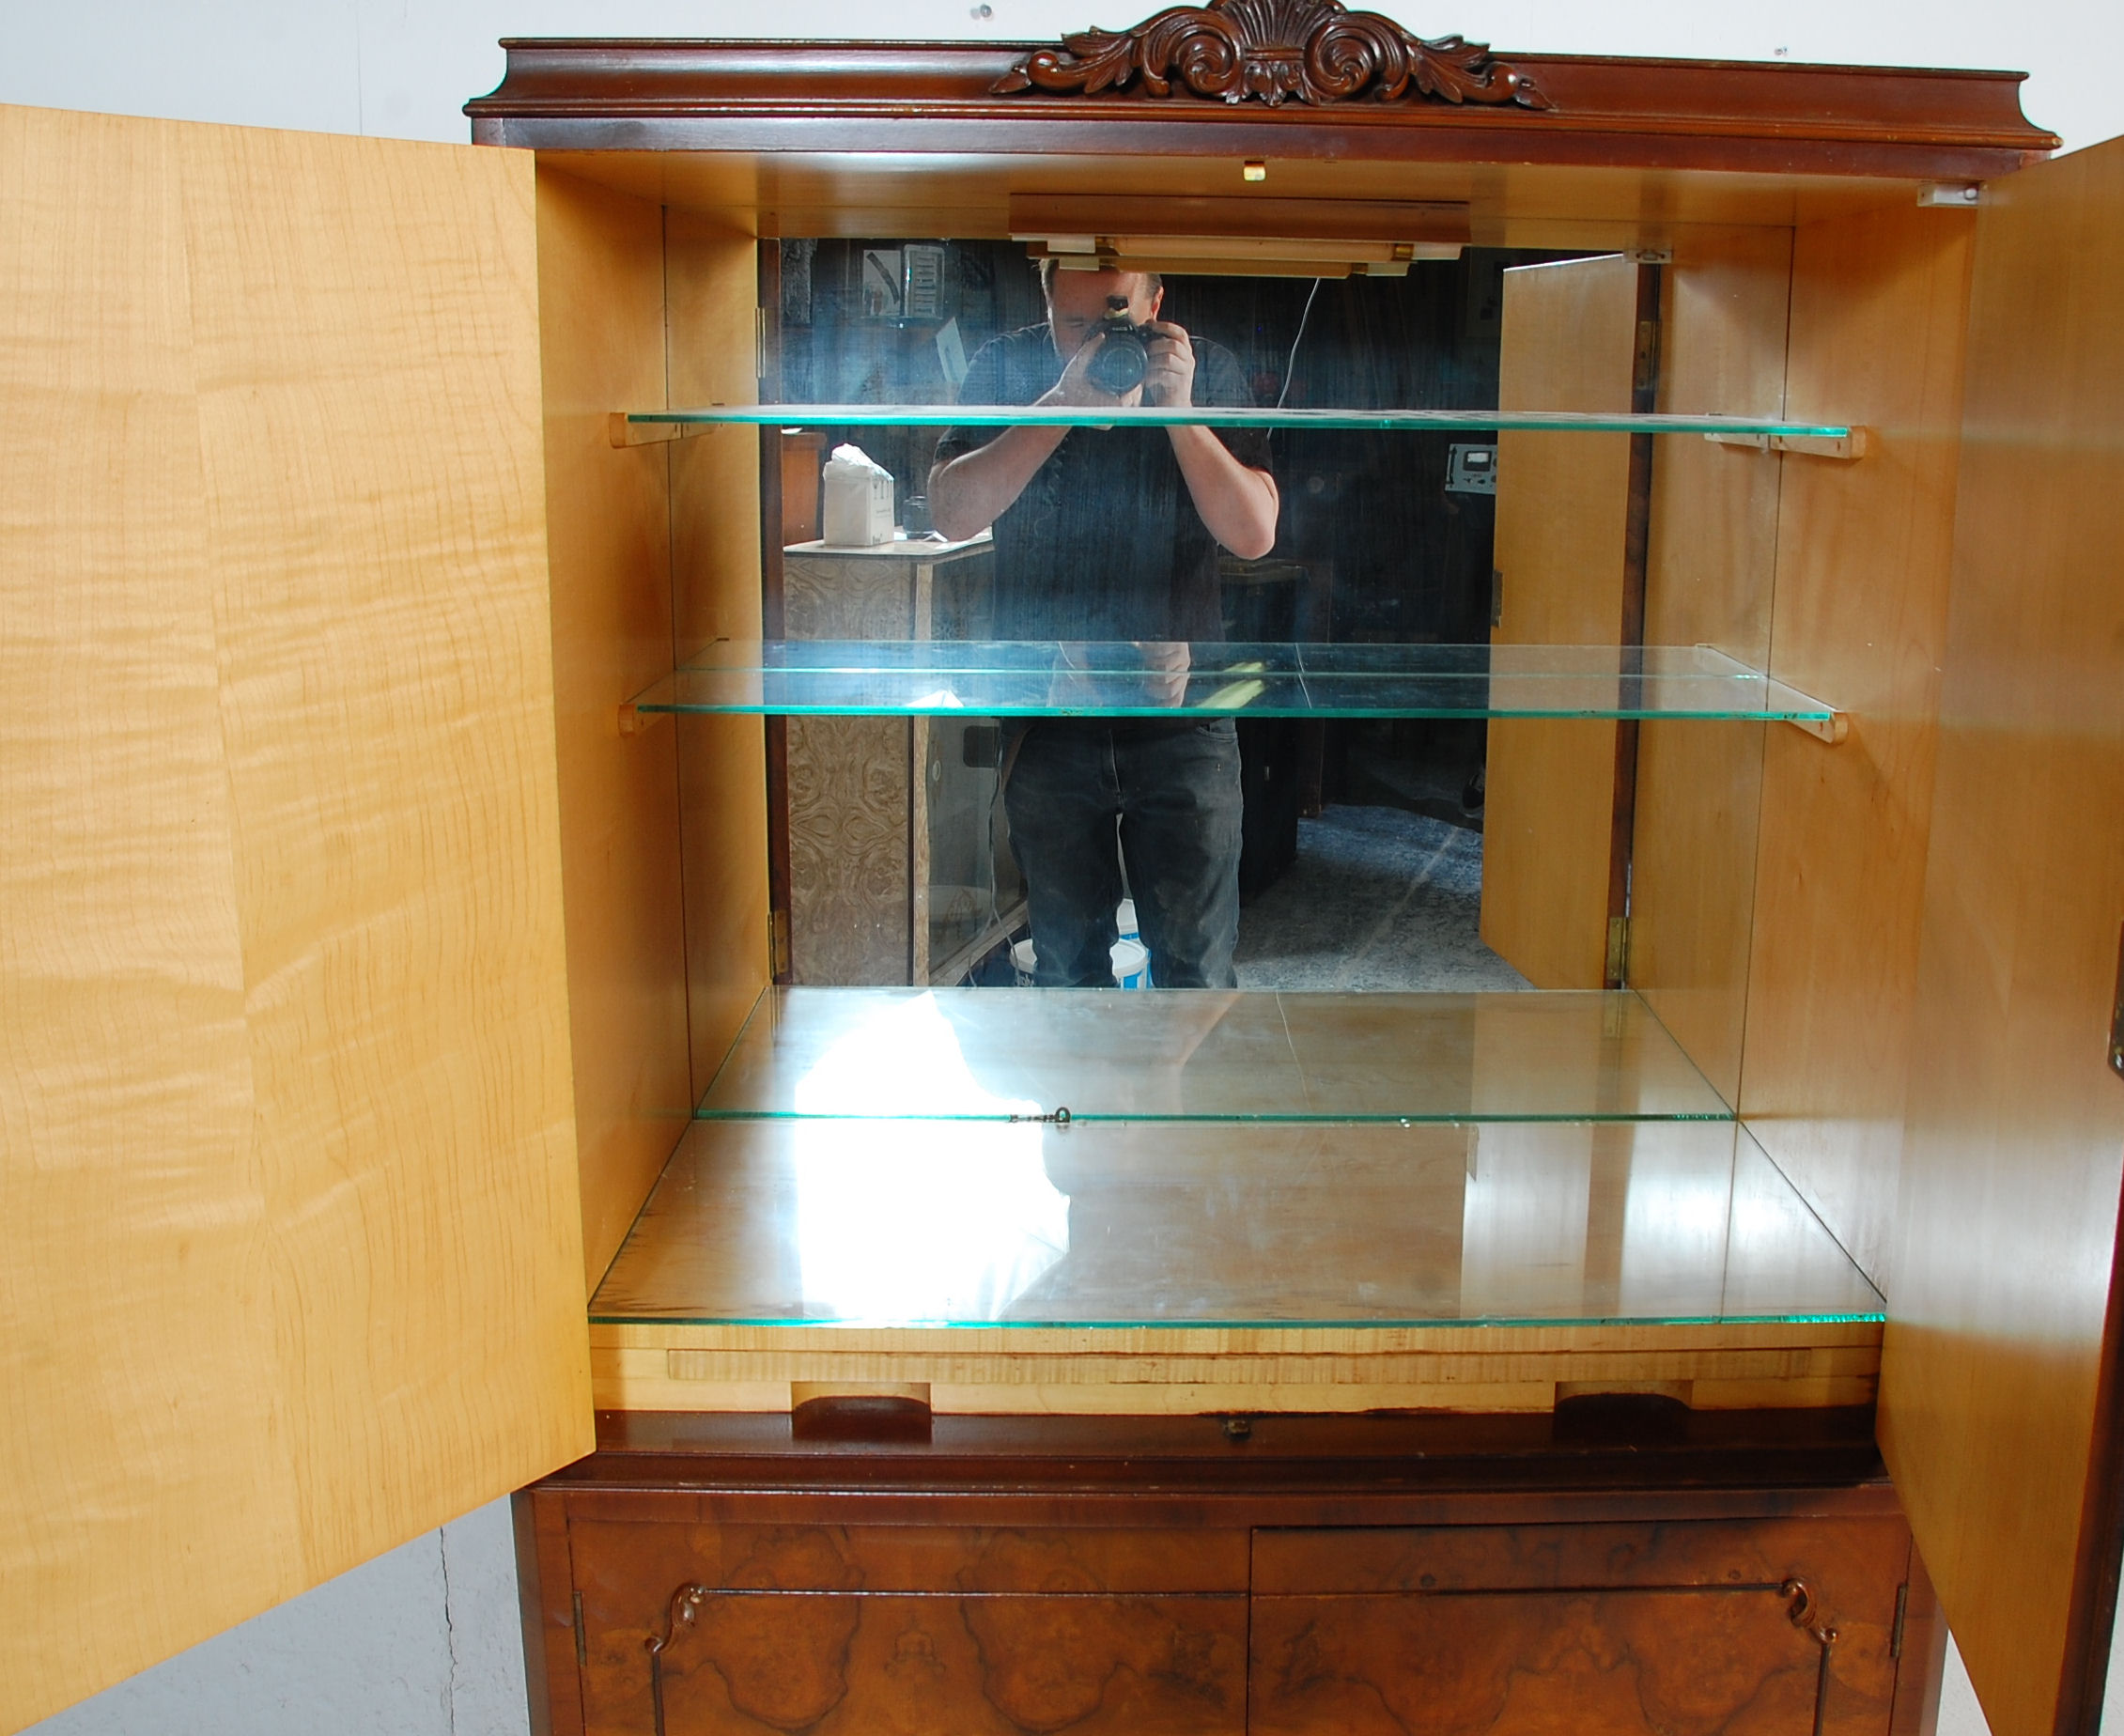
x=1048, y=679
x=1007, y=415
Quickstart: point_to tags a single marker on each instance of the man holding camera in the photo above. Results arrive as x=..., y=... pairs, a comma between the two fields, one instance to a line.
x=1112, y=535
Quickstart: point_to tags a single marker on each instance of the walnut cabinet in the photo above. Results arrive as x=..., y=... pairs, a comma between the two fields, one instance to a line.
x=368, y=953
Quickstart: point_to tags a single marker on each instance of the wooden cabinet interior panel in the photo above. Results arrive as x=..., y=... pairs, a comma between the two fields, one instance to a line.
x=965, y=194
x=2008, y=1211
x=601, y=320
x=1711, y=566
x=711, y=285
x=1878, y=306
x=1569, y=339
x=288, y=1140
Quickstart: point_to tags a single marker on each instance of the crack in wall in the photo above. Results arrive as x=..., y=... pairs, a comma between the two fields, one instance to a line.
x=449, y=1632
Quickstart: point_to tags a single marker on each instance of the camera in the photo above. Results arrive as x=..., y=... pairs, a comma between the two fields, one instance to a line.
x=1123, y=359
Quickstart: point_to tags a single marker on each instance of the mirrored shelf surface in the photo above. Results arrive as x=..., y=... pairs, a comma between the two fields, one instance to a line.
x=1027, y=415
x=1133, y=1224
x=1204, y=1055
x=1037, y=678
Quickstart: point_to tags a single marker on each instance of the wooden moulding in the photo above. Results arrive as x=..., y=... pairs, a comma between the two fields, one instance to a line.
x=1149, y=1371
x=840, y=96
x=1450, y=1469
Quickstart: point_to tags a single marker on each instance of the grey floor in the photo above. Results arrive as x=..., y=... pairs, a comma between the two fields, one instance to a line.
x=1380, y=898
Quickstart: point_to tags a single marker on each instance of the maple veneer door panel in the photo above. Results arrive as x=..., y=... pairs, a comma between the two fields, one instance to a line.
x=2006, y=1223
x=286, y=1149
x=1569, y=334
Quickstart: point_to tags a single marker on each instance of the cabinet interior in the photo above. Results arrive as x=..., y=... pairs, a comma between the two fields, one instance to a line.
x=1742, y=1089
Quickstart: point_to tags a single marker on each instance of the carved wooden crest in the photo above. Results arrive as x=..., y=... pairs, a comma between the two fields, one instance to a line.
x=1317, y=50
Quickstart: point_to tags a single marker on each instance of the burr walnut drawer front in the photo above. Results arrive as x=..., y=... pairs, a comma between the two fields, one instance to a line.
x=1766, y=1627
x=716, y=1630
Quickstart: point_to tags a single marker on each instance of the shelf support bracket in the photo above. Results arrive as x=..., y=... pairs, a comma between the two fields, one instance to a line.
x=624, y=433
x=1832, y=729
x=1854, y=444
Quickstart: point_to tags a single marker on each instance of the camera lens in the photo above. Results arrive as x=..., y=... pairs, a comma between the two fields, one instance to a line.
x=1121, y=363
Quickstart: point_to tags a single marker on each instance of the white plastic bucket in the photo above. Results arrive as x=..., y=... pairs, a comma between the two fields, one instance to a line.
x=1131, y=964
x=1023, y=963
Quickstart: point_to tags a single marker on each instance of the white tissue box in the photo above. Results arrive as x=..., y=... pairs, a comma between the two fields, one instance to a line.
x=859, y=507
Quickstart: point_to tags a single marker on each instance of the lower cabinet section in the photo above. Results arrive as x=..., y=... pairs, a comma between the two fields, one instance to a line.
x=753, y=1629
x=1771, y=1627
x=1164, y=1666
x=728, y=1588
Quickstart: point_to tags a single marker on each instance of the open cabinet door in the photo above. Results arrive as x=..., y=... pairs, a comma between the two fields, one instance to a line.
x=1998, y=1370
x=292, y=1264
x=1569, y=343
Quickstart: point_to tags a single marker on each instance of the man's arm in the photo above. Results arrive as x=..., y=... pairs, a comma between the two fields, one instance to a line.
x=1236, y=501
x=969, y=493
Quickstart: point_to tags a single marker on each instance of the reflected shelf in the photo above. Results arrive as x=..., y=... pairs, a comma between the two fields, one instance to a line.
x=1046, y=679
x=633, y=426
x=1088, y=1055
x=929, y=1224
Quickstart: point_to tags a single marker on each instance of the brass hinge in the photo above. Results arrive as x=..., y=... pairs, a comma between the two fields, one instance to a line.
x=1902, y=1609
x=2116, y=1018
x=1644, y=373
x=778, y=944
x=1618, y=951
x=582, y=1645
x=759, y=342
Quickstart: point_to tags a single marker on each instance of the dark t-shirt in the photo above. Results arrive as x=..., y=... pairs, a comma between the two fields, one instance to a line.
x=1105, y=542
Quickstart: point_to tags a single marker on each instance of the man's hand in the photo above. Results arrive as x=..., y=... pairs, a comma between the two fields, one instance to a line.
x=1169, y=381
x=1075, y=390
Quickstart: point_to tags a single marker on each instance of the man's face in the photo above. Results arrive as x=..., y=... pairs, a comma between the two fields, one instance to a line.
x=1076, y=302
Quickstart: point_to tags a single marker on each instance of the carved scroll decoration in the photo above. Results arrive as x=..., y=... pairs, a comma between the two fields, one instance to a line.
x=1317, y=50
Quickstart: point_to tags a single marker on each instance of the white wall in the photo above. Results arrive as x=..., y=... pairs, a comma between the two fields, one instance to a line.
x=422, y=1642
x=403, y=68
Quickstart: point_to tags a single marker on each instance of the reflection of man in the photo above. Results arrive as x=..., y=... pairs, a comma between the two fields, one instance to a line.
x=1112, y=535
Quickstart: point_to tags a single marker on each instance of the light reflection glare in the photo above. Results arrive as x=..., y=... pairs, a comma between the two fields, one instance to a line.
x=1674, y=1231
x=920, y=1221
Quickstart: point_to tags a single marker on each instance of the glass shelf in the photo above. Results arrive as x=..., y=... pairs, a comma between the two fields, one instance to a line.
x=1023, y=679
x=1204, y=1055
x=1027, y=415
x=1124, y=1224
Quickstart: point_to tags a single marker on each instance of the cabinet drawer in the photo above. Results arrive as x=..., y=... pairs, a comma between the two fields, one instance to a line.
x=1685, y=1663
x=900, y=1628
x=867, y=1664
x=1842, y=1559
x=1673, y=1628
x=633, y=1560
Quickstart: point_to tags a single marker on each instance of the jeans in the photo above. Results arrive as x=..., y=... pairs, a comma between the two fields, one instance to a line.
x=1174, y=793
